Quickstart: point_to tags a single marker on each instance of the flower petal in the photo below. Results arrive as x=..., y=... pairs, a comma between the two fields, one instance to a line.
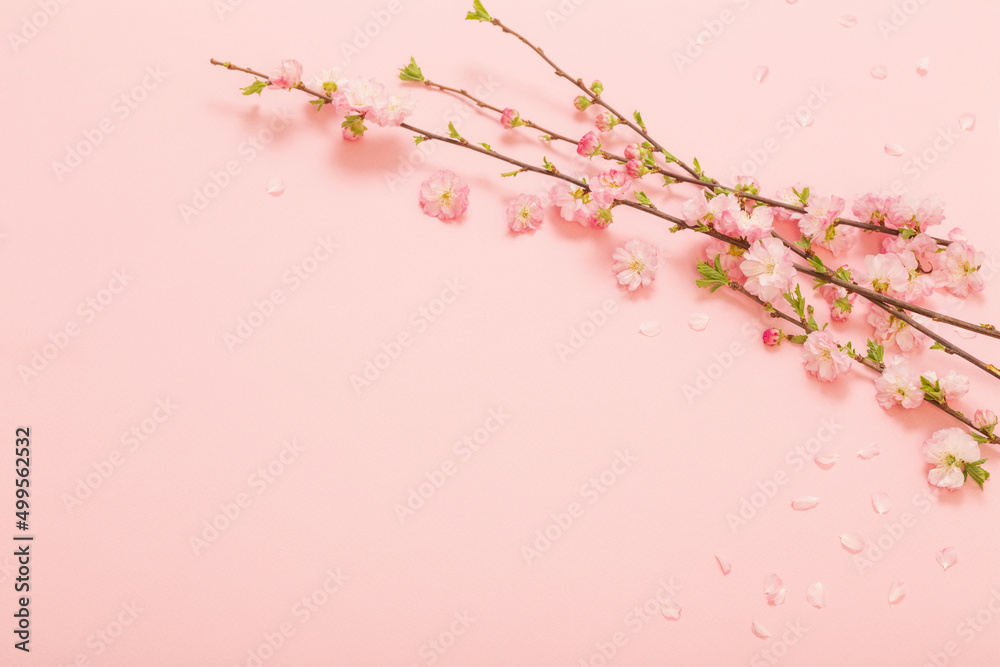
x=852, y=542
x=871, y=451
x=774, y=591
x=923, y=66
x=698, y=321
x=651, y=328
x=826, y=459
x=816, y=596
x=275, y=187
x=759, y=630
x=805, y=503
x=881, y=502
x=967, y=121
x=879, y=72
x=724, y=563
x=848, y=20
x=897, y=592
x=947, y=557
x=670, y=610
x=895, y=150
x=760, y=73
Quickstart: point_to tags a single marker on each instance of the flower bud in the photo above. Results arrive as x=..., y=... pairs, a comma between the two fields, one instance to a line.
x=772, y=337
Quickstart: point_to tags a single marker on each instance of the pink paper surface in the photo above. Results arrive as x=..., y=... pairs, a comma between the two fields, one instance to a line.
x=524, y=477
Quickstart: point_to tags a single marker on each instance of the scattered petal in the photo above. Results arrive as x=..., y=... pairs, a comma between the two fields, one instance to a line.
x=651, y=328
x=816, y=596
x=774, y=590
x=923, y=66
x=852, y=542
x=825, y=459
x=805, y=117
x=805, y=503
x=760, y=73
x=724, y=563
x=670, y=610
x=894, y=150
x=879, y=72
x=848, y=20
x=871, y=451
x=759, y=630
x=881, y=502
x=897, y=592
x=698, y=321
x=947, y=557
x=967, y=121
x=275, y=187
x=966, y=334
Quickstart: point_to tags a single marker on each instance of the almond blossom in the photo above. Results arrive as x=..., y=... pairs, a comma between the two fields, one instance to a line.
x=953, y=386
x=287, y=75
x=392, y=111
x=949, y=451
x=610, y=185
x=885, y=273
x=823, y=358
x=899, y=384
x=444, y=195
x=820, y=214
x=957, y=269
x=754, y=225
x=768, y=268
x=891, y=331
x=635, y=263
x=524, y=213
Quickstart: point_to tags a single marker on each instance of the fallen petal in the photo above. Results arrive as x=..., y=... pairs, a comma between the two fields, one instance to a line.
x=894, y=150
x=881, y=502
x=825, y=459
x=670, y=609
x=698, y=321
x=759, y=630
x=848, y=20
x=947, y=557
x=897, y=592
x=805, y=118
x=967, y=121
x=852, y=542
x=868, y=452
x=774, y=590
x=275, y=187
x=879, y=72
x=966, y=334
x=923, y=66
x=724, y=563
x=651, y=328
x=805, y=503
x=760, y=73
x=816, y=596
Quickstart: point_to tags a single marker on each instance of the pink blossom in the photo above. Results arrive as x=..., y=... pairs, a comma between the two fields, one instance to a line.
x=600, y=217
x=772, y=337
x=869, y=208
x=745, y=183
x=605, y=121
x=755, y=225
x=841, y=301
x=635, y=263
x=590, y=145
x=820, y=214
x=923, y=247
x=524, y=213
x=899, y=383
x=510, y=119
x=929, y=212
x=288, y=75
x=838, y=239
x=730, y=257
x=899, y=213
x=633, y=168
x=392, y=111
x=363, y=95
x=885, y=273
x=787, y=196
x=919, y=285
x=957, y=269
x=575, y=205
x=444, y=195
x=985, y=419
x=948, y=451
x=632, y=152
x=768, y=268
x=958, y=234
x=953, y=385
x=823, y=358
x=610, y=185
x=890, y=331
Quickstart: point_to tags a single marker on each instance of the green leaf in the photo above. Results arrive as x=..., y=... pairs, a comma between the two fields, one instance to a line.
x=642, y=198
x=982, y=440
x=319, y=102
x=548, y=165
x=480, y=14
x=486, y=146
x=418, y=139
x=804, y=243
x=546, y=137
x=932, y=391
x=939, y=346
x=876, y=352
x=511, y=173
x=255, y=87
x=798, y=303
x=638, y=120
x=907, y=233
x=453, y=133
x=714, y=275
x=976, y=472
x=817, y=263
x=799, y=339
x=411, y=72
x=843, y=304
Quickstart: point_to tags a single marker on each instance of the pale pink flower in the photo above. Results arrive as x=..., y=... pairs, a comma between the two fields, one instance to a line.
x=756, y=224
x=632, y=152
x=444, y=195
x=635, y=263
x=841, y=301
x=838, y=239
x=510, y=119
x=589, y=145
x=919, y=285
x=923, y=247
x=890, y=331
x=929, y=212
x=869, y=208
x=363, y=95
x=768, y=268
x=953, y=385
x=694, y=209
x=524, y=213
x=899, y=383
x=820, y=214
x=885, y=273
x=985, y=419
x=329, y=81
x=957, y=269
x=823, y=358
x=772, y=337
x=288, y=75
x=730, y=256
x=392, y=111
x=575, y=205
x=788, y=196
x=899, y=213
x=722, y=212
x=605, y=121
x=610, y=185
x=958, y=234
x=633, y=168
x=948, y=451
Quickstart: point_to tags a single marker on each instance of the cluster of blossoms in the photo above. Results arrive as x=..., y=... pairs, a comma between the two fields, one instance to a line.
x=763, y=248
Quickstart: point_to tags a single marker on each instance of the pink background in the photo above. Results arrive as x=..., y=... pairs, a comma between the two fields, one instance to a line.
x=451, y=584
